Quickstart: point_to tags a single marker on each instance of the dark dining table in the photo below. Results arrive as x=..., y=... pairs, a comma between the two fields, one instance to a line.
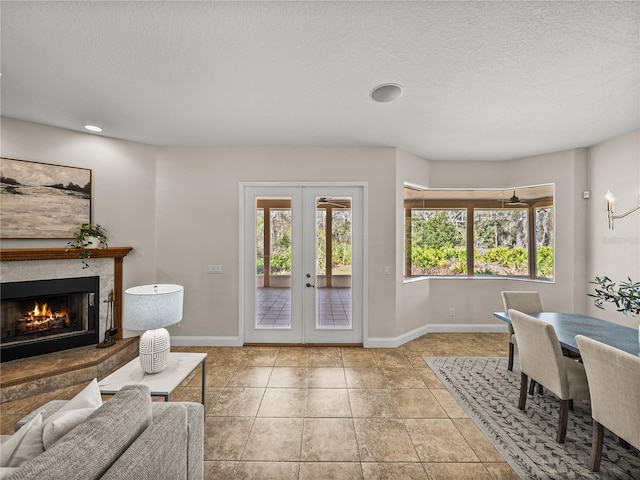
x=568, y=325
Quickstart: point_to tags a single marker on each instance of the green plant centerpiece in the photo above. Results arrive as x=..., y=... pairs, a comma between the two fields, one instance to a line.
x=88, y=237
x=625, y=296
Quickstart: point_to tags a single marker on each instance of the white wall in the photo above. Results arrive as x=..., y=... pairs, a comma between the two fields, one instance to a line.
x=614, y=165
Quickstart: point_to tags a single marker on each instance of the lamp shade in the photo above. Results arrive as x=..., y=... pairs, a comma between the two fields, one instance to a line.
x=152, y=306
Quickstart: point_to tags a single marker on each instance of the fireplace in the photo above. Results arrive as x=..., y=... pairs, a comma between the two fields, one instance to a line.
x=45, y=316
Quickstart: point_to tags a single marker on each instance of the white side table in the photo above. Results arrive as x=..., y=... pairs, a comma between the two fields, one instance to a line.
x=179, y=366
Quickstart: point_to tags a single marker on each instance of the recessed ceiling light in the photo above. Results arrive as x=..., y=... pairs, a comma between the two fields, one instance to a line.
x=387, y=92
x=92, y=128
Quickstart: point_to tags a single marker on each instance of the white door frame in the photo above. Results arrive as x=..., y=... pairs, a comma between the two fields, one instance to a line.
x=243, y=290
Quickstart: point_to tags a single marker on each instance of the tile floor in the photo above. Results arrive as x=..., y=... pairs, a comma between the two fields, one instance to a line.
x=341, y=413
x=332, y=413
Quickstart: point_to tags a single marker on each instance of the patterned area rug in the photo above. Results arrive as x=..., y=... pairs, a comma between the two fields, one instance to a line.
x=489, y=394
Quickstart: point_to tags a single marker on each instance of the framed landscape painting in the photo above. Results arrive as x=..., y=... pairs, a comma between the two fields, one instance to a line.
x=40, y=200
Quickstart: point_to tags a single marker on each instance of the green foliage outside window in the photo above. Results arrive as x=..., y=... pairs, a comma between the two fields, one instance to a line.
x=280, y=242
x=438, y=241
x=504, y=261
x=438, y=261
x=501, y=242
x=544, y=261
x=281, y=262
x=341, y=251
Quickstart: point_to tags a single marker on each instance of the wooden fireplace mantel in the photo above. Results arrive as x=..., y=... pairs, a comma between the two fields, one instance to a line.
x=22, y=254
x=117, y=253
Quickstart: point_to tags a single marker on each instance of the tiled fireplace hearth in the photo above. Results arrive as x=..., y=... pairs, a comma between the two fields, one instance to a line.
x=36, y=274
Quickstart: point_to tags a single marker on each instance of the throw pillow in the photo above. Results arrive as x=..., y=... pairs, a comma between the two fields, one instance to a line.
x=60, y=423
x=74, y=412
x=23, y=445
x=89, y=397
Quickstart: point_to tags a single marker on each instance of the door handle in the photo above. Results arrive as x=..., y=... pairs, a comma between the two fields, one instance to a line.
x=309, y=285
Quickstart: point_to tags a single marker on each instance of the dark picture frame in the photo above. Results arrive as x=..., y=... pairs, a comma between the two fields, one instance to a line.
x=42, y=200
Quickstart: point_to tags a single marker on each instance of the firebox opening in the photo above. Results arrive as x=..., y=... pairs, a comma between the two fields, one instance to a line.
x=45, y=316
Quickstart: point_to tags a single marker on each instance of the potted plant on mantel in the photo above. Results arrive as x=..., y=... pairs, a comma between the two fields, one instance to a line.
x=88, y=237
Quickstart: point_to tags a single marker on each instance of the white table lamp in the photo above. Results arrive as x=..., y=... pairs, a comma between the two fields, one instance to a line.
x=151, y=308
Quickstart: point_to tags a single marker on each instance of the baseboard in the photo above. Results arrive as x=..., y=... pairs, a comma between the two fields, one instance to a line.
x=205, y=341
x=467, y=328
x=394, y=342
x=376, y=342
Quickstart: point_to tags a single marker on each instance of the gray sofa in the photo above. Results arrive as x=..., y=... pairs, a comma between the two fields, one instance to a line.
x=128, y=437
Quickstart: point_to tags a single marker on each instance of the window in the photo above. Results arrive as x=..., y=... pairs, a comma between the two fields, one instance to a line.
x=501, y=243
x=482, y=233
x=438, y=242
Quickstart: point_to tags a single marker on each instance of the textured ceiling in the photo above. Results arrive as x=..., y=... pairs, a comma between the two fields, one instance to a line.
x=482, y=80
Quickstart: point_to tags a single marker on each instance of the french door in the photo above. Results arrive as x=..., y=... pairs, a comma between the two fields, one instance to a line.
x=302, y=268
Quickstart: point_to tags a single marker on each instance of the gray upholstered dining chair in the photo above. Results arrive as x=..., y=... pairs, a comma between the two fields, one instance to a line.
x=614, y=384
x=526, y=302
x=541, y=359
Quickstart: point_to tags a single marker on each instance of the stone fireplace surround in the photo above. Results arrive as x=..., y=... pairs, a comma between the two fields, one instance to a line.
x=18, y=265
x=52, y=371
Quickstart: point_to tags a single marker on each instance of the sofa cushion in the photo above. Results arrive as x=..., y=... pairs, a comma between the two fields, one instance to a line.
x=6, y=472
x=159, y=452
x=195, y=434
x=88, y=450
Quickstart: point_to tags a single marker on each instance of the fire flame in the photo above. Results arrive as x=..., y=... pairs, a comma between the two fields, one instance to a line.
x=43, y=313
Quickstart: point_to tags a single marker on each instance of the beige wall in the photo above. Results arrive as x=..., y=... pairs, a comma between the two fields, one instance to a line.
x=474, y=299
x=198, y=212
x=178, y=208
x=614, y=165
x=123, y=186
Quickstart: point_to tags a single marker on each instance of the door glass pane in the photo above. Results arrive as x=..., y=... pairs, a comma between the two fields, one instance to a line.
x=273, y=263
x=280, y=265
x=333, y=262
x=321, y=246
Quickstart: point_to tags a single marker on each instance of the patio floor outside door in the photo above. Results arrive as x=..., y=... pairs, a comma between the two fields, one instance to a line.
x=273, y=307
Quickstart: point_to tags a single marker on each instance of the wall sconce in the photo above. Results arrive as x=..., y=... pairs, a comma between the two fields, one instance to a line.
x=611, y=203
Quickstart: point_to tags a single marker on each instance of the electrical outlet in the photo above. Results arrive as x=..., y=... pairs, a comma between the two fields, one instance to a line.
x=214, y=269
x=452, y=312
